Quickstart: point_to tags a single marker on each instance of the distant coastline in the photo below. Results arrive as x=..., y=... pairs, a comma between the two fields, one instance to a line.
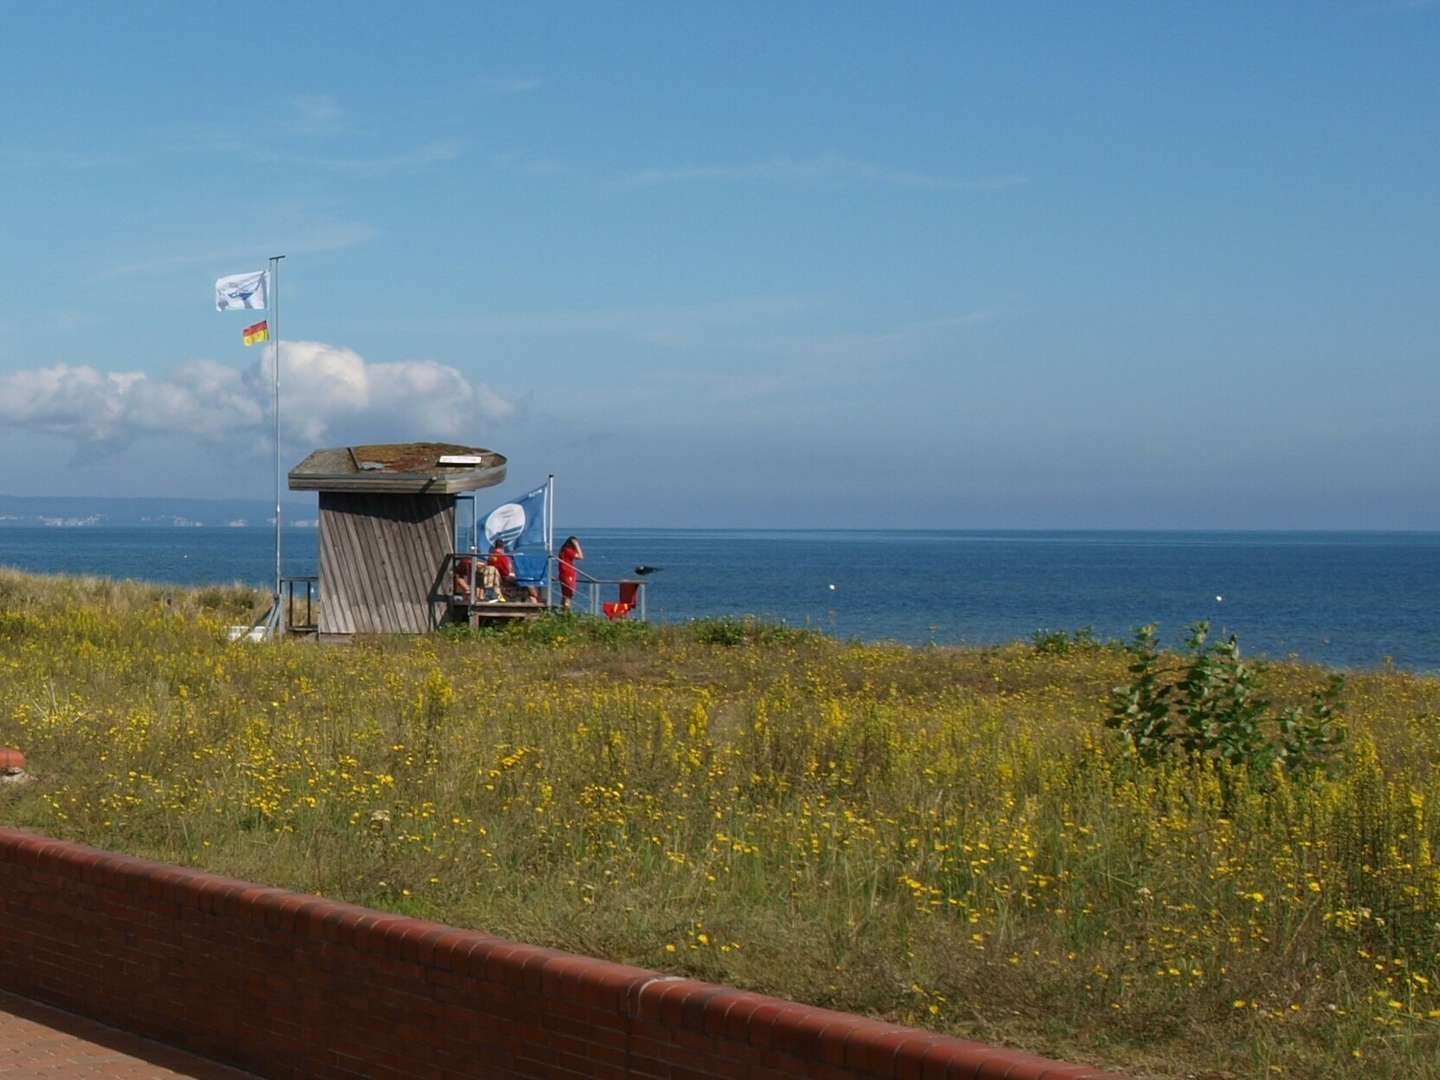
x=76, y=512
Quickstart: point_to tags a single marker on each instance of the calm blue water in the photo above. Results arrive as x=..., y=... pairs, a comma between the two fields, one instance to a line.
x=1350, y=599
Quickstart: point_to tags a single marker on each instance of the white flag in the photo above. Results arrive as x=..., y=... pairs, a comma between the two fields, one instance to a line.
x=242, y=291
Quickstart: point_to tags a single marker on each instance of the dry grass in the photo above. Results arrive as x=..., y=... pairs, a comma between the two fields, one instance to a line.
x=943, y=837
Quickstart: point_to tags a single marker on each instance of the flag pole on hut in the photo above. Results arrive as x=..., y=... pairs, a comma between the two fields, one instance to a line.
x=252, y=292
x=279, y=627
x=549, y=539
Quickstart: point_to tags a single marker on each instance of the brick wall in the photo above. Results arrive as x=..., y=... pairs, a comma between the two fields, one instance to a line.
x=289, y=985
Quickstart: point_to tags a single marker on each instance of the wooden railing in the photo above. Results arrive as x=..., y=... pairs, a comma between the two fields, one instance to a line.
x=311, y=587
x=592, y=589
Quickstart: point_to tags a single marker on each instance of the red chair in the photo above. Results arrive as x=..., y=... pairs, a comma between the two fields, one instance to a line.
x=628, y=602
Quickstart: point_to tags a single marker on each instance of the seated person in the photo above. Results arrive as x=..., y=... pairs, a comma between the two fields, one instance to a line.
x=504, y=565
x=499, y=562
x=487, y=580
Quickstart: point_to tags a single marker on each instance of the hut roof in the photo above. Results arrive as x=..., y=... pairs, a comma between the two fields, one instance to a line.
x=399, y=469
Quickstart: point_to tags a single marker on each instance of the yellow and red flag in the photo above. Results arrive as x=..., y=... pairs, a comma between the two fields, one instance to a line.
x=257, y=333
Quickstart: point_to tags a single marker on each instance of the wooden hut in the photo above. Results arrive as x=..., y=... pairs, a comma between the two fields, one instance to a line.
x=387, y=522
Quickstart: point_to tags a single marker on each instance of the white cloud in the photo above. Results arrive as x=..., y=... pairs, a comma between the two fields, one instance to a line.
x=325, y=388
x=328, y=394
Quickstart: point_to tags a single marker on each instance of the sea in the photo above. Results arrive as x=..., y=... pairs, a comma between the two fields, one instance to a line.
x=1348, y=599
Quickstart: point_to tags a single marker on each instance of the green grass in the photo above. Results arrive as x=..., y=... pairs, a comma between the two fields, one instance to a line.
x=945, y=837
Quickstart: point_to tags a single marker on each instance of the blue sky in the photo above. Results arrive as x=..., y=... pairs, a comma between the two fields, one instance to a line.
x=958, y=265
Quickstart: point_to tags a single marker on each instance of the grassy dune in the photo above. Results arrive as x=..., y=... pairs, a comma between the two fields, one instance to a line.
x=945, y=837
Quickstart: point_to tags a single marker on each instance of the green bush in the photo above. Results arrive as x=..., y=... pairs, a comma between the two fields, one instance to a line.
x=1061, y=643
x=718, y=631
x=729, y=630
x=1211, y=707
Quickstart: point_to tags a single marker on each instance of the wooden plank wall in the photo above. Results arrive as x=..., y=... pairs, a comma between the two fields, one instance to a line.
x=379, y=558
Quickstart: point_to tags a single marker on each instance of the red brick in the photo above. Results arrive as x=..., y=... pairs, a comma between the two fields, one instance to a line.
x=682, y=1004
x=532, y=968
x=594, y=1069
x=717, y=1009
x=872, y=1049
x=833, y=1037
x=578, y=978
x=645, y=1068
x=448, y=948
x=420, y=942
x=715, y=1069
x=797, y=1030
x=697, y=1006
x=560, y=974
x=386, y=935
x=647, y=999
x=909, y=1061
x=960, y=1059
x=820, y=1070
x=499, y=962
x=609, y=986
x=660, y=1049
x=611, y=1054
x=280, y=913
x=578, y=1020
x=470, y=957
x=738, y=1015
x=695, y=1043
x=762, y=1023
x=1007, y=1065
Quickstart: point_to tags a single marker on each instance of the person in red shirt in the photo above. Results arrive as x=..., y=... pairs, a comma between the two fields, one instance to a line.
x=503, y=564
x=569, y=575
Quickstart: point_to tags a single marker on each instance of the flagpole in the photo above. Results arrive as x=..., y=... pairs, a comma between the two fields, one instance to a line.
x=549, y=540
x=275, y=302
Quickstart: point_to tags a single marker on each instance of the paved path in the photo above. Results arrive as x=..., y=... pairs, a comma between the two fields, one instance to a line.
x=38, y=1041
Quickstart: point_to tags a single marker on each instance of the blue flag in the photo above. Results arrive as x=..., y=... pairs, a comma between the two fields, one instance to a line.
x=520, y=524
